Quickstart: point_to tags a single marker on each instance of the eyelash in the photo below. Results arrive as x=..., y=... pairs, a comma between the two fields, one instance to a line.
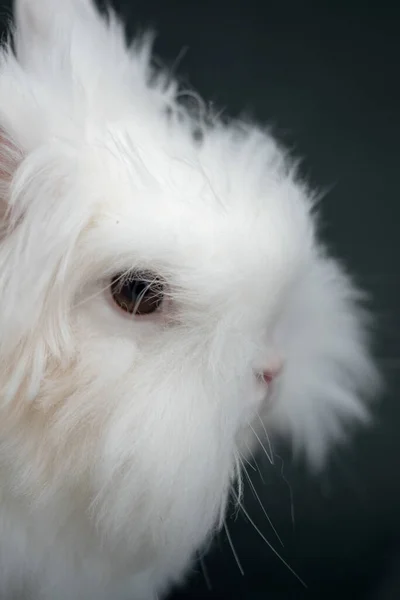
x=138, y=293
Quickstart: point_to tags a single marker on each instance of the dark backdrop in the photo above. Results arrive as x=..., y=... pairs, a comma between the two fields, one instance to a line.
x=325, y=75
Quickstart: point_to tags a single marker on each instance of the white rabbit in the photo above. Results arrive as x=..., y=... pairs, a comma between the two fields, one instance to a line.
x=160, y=294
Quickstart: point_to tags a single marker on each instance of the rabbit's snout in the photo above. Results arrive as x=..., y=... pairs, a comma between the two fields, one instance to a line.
x=270, y=369
x=269, y=374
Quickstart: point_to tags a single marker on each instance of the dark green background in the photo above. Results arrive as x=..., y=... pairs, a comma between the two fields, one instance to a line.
x=325, y=75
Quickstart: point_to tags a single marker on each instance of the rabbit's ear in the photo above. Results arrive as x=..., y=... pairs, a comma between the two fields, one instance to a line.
x=44, y=25
x=10, y=157
x=41, y=218
x=69, y=53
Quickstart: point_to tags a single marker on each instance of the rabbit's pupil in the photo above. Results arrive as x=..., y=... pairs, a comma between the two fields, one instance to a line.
x=139, y=294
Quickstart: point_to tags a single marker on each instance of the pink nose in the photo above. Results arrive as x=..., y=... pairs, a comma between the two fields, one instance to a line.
x=269, y=374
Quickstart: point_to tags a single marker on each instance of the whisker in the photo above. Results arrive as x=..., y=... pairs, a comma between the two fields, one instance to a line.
x=239, y=479
x=289, y=488
x=248, y=463
x=228, y=535
x=255, y=463
x=262, y=506
x=270, y=458
x=259, y=472
x=267, y=437
x=205, y=573
x=270, y=546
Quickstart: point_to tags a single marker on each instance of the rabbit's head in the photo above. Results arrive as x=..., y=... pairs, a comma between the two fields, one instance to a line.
x=161, y=291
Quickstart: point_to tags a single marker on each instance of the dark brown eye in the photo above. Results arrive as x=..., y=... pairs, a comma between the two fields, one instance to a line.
x=137, y=293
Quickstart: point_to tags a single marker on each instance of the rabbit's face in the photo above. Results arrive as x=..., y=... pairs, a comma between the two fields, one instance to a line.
x=184, y=273
x=151, y=287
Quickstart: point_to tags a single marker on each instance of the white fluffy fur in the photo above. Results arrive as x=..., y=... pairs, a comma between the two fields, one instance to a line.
x=119, y=437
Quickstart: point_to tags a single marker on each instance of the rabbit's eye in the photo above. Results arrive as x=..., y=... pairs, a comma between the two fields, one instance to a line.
x=137, y=293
